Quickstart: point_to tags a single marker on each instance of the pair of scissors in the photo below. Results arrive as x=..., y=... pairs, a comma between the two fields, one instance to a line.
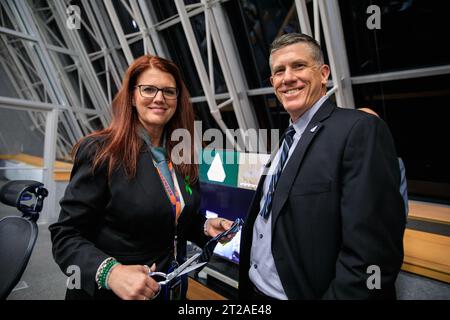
x=190, y=265
x=198, y=260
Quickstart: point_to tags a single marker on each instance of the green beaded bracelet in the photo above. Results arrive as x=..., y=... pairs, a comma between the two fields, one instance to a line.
x=105, y=273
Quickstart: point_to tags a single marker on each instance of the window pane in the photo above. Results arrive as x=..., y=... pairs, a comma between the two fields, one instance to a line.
x=411, y=35
x=180, y=54
x=21, y=146
x=255, y=25
x=414, y=109
x=163, y=9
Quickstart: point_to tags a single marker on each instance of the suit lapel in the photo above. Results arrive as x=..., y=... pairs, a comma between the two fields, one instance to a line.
x=289, y=173
x=146, y=174
x=148, y=178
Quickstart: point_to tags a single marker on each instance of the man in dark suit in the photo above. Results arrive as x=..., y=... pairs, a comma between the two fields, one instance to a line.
x=327, y=218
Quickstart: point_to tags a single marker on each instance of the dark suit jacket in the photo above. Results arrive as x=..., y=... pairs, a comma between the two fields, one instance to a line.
x=131, y=220
x=336, y=210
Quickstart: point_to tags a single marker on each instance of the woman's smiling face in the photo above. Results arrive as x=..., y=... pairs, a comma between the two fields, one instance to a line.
x=156, y=111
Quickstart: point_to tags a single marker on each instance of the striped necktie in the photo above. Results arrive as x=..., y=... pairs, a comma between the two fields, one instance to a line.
x=285, y=146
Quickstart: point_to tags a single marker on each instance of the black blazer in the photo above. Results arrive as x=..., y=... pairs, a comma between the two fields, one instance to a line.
x=336, y=210
x=130, y=220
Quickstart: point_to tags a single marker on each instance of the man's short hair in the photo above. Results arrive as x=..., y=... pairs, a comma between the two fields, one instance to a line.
x=293, y=38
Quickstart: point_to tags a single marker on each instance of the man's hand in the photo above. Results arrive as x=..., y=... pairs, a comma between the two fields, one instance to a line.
x=215, y=226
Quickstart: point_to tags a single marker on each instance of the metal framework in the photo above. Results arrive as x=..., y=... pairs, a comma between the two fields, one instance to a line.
x=65, y=78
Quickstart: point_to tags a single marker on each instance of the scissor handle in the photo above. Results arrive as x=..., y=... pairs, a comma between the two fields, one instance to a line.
x=157, y=273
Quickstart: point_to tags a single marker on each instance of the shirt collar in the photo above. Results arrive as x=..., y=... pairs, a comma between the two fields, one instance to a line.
x=302, y=122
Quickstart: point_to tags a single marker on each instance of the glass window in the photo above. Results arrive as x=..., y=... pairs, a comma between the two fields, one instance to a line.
x=166, y=9
x=198, y=26
x=21, y=146
x=203, y=114
x=411, y=35
x=270, y=112
x=163, y=9
x=229, y=117
x=179, y=52
x=413, y=110
x=208, y=122
x=255, y=25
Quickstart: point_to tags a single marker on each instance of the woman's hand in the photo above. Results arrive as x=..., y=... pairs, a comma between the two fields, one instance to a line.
x=133, y=282
x=215, y=226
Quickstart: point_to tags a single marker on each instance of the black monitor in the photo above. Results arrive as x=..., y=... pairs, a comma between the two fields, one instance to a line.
x=230, y=203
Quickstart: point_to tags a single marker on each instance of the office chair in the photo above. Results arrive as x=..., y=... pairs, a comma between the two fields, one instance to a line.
x=18, y=234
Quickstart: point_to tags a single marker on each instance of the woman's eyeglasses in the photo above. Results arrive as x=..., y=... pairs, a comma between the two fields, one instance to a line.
x=148, y=91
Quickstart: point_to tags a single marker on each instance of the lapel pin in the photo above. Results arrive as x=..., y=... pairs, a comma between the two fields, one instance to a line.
x=313, y=129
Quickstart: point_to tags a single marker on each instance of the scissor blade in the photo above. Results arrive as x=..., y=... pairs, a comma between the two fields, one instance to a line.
x=178, y=270
x=191, y=268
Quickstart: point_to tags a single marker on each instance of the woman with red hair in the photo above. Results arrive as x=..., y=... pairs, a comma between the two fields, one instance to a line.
x=128, y=204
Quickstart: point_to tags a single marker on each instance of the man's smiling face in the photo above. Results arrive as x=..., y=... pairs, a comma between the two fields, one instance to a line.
x=299, y=81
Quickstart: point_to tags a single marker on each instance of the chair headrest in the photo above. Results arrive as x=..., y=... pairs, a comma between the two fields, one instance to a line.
x=26, y=195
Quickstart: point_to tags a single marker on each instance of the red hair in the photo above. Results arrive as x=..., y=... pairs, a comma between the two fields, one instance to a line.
x=121, y=143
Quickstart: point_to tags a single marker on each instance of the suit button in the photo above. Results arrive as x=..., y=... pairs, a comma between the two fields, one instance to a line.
x=260, y=236
x=255, y=266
